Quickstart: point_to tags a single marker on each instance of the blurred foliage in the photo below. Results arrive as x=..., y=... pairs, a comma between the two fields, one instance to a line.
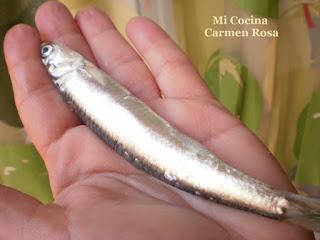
x=307, y=150
x=262, y=8
x=236, y=88
x=22, y=168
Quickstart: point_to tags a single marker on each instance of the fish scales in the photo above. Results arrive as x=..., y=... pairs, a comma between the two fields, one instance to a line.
x=149, y=142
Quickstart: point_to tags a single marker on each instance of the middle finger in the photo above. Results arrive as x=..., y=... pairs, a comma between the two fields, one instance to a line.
x=114, y=54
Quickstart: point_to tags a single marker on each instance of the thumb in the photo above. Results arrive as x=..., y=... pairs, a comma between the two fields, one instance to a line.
x=23, y=217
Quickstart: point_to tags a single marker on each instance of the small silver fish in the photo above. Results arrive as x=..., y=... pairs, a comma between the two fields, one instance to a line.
x=150, y=143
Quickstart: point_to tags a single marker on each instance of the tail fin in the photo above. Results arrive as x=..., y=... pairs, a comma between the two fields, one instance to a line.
x=303, y=211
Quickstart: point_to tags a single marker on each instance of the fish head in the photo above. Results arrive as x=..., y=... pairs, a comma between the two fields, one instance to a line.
x=59, y=60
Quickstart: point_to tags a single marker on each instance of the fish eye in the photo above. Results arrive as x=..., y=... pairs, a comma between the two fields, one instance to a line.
x=46, y=50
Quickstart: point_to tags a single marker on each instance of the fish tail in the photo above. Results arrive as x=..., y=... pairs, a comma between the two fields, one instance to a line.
x=303, y=211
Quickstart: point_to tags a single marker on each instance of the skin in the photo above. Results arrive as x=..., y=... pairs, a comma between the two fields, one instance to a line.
x=98, y=195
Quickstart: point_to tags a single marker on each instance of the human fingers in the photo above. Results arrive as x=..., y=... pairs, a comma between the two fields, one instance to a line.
x=174, y=73
x=115, y=56
x=54, y=129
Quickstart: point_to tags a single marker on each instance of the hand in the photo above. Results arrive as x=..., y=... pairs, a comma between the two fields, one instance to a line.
x=98, y=195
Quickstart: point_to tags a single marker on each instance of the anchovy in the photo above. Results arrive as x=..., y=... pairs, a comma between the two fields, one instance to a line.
x=151, y=144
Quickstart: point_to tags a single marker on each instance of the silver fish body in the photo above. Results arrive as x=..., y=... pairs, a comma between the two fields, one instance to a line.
x=149, y=142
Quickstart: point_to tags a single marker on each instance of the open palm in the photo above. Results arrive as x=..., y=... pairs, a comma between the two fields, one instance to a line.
x=98, y=195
